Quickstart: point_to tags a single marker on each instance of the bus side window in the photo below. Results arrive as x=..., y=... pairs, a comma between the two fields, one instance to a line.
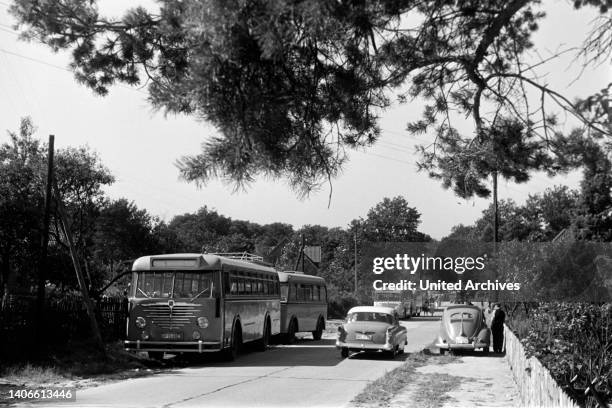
x=308, y=293
x=315, y=293
x=226, y=282
x=292, y=292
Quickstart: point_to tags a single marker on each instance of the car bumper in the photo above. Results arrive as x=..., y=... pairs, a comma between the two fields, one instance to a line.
x=363, y=346
x=182, y=347
x=456, y=346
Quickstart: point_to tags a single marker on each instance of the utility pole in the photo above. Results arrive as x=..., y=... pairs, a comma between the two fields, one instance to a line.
x=77, y=268
x=495, y=213
x=355, y=236
x=44, y=238
x=495, y=225
x=302, y=251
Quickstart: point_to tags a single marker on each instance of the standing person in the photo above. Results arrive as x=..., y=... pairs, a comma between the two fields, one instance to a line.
x=497, y=327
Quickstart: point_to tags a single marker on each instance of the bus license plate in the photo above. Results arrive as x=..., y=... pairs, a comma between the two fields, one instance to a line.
x=363, y=337
x=172, y=336
x=462, y=340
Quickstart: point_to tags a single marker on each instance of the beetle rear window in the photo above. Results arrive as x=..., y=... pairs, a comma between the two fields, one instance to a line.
x=457, y=317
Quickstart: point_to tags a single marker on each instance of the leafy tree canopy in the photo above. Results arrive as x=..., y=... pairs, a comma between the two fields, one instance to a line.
x=290, y=85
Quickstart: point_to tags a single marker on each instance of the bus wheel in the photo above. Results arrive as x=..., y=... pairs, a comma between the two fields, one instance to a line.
x=316, y=335
x=232, y=352
x=156, y=355
x=344, y=352
x=264, y=342
x=290, y=338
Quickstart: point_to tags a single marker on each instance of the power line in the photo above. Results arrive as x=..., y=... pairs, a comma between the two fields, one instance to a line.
x=58, y=67
x=386, y=157
x=8, y=31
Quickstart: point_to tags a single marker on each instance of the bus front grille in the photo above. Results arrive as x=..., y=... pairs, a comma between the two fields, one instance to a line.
x=168, y=318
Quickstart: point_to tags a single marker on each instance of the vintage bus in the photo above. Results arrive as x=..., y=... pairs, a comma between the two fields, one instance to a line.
x=197, y=303
x=406, y=303
x=303, y=304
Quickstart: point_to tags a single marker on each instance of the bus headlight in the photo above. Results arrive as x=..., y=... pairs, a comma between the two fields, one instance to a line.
x=141, y=322
x=145, y=335
x=203, y=322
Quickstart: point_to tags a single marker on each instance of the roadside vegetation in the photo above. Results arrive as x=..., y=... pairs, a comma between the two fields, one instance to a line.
x=573, y=341
x=380, y=392
x=78, y=364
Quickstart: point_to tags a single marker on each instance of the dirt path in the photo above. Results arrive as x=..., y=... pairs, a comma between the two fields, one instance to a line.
x=471, y=381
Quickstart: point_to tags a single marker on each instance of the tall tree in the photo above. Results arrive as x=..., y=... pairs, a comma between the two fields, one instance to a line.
x=393, y=220
x=291, y=85
x=80, y=176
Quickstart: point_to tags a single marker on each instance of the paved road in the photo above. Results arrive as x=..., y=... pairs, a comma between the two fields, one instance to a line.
x=308, y=373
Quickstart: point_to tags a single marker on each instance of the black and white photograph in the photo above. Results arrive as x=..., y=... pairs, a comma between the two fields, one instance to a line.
x=306, y=203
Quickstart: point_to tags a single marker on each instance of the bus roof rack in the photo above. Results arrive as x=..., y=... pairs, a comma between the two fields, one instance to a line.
x=242, y=256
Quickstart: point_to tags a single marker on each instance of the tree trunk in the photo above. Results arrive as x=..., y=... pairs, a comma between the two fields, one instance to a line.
x=5, y=270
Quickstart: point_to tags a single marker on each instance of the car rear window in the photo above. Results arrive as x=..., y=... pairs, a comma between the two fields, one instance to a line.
x=370, y=317
x=458, y=316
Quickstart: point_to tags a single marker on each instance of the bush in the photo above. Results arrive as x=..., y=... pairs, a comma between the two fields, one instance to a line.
x=570, y=339
x=339, y=302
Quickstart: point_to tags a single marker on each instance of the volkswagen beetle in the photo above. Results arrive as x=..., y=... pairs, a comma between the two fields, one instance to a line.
x=463, y=327
x=371, y=328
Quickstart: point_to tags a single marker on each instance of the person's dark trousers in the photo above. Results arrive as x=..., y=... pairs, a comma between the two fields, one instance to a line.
x=498, y=338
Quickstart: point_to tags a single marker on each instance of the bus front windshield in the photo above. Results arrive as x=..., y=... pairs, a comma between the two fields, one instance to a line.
x=174, y=284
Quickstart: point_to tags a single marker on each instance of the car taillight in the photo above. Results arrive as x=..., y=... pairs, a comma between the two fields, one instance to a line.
x=388, y=334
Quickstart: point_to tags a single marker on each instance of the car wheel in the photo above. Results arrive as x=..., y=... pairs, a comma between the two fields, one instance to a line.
x=485, y=350
x=156, y=355
x=344, y=352
x=391, y=354
x=442, y=351
x=401, y=349
x=318, y=333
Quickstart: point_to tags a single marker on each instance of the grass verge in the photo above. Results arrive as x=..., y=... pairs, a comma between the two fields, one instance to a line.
x=380, y=392
x=432, y=390
x=79, y=364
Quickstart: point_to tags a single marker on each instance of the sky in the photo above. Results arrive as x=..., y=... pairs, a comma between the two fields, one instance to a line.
x=140, y=146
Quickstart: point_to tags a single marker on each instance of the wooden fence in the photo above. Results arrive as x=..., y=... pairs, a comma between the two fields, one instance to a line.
x=65, y=320
x=537, y=388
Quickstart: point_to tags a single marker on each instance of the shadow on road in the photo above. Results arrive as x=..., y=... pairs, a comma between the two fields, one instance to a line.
x=304, y=352
x=377, y=356
x=422, y=319
x=470, y=353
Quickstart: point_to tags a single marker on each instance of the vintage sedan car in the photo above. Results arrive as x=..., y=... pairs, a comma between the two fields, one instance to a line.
x=371, y=328
x=463, y=327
